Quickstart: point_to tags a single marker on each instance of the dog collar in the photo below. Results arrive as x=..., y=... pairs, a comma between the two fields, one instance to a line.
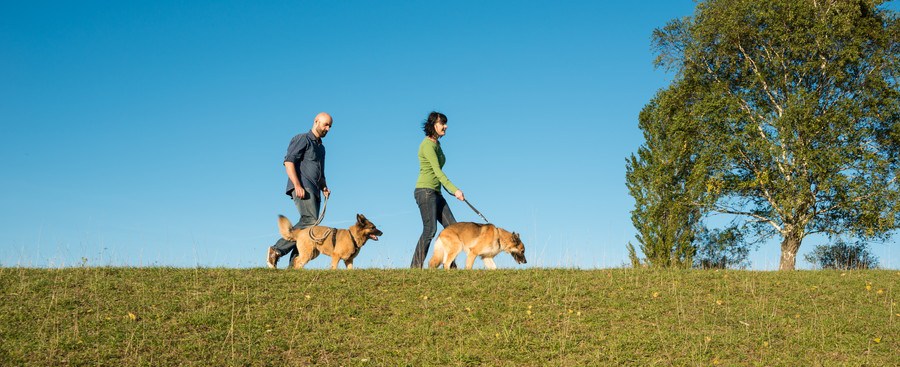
x=352, y=238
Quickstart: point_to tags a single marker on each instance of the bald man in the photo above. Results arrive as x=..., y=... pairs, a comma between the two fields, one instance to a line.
x=305, y=167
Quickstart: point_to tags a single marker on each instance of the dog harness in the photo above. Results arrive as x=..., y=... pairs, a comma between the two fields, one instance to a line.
x=333, y=233
x=328, y=232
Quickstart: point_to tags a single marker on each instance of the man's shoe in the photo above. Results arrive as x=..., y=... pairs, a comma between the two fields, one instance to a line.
x=272, y=259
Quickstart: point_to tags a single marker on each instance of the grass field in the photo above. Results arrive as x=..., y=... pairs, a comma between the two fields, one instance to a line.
x=552, y=317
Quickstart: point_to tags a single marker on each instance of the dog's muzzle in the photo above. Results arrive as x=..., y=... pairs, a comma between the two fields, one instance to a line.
x=520, y=258
x=374, y=236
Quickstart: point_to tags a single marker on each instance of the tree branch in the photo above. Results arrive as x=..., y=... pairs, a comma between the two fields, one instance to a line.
x=758, y=217
x=762, y=80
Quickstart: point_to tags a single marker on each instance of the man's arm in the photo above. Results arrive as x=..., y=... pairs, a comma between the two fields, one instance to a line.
x=292, y=175
x=295, y=152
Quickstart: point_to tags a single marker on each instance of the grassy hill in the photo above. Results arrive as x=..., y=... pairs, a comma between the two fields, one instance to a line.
x=260, y=317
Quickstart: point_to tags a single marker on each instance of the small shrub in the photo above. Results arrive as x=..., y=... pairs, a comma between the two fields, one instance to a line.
x=721, y=249
x=842, y=256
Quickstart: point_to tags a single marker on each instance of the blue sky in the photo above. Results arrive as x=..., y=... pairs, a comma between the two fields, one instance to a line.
x=152, y=133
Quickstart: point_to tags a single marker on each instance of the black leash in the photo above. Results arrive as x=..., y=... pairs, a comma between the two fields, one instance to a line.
x=476, y=211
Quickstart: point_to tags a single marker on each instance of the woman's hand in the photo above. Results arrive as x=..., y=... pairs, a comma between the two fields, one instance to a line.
x=459, y=195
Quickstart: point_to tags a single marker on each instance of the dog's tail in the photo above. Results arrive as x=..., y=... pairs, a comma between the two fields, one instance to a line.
x=285, y=228
x=440, y=254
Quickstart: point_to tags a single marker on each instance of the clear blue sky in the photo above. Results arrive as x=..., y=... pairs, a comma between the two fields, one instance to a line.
x=152, y=133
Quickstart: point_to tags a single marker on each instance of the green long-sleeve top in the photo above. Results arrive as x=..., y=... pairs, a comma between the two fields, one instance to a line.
x=431, y=160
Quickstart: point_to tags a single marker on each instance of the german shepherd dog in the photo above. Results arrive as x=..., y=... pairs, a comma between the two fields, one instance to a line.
x=485, y=240
x=340, y=244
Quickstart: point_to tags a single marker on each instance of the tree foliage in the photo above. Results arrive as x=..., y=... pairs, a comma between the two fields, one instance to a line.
x=795, y=109
x=722, y=249
x=662, y=178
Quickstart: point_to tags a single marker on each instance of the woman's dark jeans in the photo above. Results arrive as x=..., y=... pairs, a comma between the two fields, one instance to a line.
x=433, y=208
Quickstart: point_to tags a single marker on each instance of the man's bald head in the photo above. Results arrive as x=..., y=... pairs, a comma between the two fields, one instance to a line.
x=322, y=124
x=322, y=117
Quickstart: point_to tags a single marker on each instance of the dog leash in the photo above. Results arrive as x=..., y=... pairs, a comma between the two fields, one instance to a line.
x=476, y=211
x=321, y=216
x=319, y=220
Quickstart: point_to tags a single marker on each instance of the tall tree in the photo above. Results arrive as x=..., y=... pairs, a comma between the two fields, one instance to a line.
x=664, y=178
x=800, y=104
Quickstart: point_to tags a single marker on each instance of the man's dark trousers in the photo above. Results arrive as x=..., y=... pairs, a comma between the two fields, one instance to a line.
x=309, y=213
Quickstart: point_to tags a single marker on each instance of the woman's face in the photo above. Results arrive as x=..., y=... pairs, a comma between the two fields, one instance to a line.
x=440, y=127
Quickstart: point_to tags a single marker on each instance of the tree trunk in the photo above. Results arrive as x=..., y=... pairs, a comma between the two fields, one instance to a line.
x=790, y=244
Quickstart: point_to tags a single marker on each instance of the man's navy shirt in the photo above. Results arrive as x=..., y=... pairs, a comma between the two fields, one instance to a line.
x=308, y=155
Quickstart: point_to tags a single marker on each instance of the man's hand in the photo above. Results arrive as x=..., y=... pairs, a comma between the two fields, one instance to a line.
x=299, y=192
x=459, y=195
x=326, y=192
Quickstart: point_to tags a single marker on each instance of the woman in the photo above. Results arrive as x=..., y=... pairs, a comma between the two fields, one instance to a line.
x=431, y=203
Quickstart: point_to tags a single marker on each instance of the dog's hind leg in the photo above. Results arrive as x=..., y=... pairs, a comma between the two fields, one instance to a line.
x=304, y=255
x=435, y=261
x=298, y=262
x=439, y=256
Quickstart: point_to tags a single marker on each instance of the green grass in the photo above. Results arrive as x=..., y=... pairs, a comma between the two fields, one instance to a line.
x=260, y=317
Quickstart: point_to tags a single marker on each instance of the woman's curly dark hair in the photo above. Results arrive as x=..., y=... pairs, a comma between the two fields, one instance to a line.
x=433, y=118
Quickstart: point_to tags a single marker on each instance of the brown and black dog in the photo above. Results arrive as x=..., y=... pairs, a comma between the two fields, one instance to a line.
x=485, y=240
x=340, y=244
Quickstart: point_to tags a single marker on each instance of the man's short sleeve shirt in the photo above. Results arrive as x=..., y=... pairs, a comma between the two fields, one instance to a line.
x=308, y=155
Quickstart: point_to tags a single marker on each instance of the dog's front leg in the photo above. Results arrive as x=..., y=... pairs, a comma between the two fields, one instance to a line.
x=348, y=263
x=489, y=263
x=334, y=262
x=470, y=260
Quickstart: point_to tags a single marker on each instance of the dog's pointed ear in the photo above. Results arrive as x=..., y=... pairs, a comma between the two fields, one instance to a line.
x=360, y=218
